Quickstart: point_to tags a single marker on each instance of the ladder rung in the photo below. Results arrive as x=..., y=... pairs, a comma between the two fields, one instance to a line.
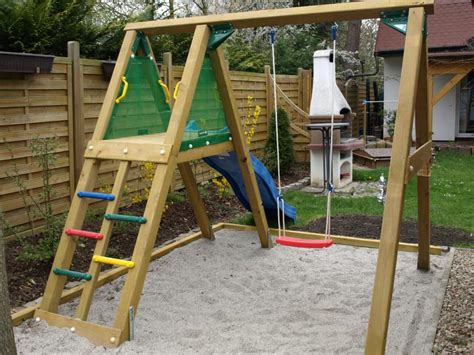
x=124, y=218
x=84, y=234
x=73, y=274
x=96, y=195
x=113, y=261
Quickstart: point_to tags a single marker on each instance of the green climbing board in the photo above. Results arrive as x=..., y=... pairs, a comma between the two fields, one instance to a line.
x=144, y=109
x=207, y=123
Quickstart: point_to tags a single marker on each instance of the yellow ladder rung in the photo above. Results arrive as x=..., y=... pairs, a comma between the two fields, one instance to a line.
x=113, y=261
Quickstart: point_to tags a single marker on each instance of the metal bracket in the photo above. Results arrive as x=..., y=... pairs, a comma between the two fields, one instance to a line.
x=219, y=33
x=398, y=20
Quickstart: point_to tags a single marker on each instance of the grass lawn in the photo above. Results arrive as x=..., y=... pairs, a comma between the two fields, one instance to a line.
x=452, y=195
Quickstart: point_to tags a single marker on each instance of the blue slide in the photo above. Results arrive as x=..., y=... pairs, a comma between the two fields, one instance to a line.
x=228, y=166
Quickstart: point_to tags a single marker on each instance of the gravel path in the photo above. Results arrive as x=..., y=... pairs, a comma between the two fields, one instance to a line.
x=456, y=323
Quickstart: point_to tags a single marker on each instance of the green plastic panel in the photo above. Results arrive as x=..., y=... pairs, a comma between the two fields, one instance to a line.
x=144, y=109
x=207, y=123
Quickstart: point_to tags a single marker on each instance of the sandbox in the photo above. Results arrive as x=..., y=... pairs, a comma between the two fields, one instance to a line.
x=230, y=295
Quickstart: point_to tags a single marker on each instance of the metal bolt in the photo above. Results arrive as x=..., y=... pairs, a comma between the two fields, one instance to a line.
x=162, y=152
x=91, y=147
x=190, y=146
x=207, y=143
x=112, y=340
x=73, y=329
x=125, y=151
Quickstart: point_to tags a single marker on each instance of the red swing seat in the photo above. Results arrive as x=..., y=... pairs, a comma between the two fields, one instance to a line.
x=304, y=243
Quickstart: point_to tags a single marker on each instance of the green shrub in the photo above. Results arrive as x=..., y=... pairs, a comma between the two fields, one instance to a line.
x=287, y=153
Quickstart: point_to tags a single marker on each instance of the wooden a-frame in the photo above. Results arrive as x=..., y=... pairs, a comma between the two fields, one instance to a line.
x=415, y=95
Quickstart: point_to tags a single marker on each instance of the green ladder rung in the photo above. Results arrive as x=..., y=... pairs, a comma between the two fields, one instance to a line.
x=124, y=218
x=73, y=274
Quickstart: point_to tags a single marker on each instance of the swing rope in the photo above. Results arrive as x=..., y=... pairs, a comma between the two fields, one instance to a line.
x=281, y=221
x=330, y=188
x=282, y=238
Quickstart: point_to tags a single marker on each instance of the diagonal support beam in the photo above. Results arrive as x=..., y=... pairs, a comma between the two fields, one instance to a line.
x=240, y=145
x=448, y=86
x=390, y=234
x=161, y=182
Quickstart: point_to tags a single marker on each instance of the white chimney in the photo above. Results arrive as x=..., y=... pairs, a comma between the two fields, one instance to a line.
x=323, y=80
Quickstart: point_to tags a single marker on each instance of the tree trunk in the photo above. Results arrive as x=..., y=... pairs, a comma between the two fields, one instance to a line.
x=353, y=36
x=7, y=341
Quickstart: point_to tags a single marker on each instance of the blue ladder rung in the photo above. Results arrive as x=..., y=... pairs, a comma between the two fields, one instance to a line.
x=96, y=195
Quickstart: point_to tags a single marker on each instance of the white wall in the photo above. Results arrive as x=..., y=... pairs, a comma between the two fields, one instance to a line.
x=445, y=113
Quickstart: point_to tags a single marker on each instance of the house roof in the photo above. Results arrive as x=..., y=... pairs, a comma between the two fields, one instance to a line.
x=449, y=29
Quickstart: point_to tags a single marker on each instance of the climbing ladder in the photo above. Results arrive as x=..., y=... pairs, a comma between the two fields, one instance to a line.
x=162, y=146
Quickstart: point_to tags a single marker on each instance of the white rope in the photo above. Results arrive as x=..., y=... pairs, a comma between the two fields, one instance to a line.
x=275, y=107
x=327, y=233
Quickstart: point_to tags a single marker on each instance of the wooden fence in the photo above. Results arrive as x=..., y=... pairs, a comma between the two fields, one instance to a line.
x=65, y=103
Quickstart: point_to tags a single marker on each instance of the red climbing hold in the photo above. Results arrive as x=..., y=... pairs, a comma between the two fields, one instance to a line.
x=84, y=234
x=304, y=243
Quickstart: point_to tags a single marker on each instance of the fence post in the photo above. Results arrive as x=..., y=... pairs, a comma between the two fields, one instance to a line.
x=269, y=90
x=300, y=88
x=73, y=52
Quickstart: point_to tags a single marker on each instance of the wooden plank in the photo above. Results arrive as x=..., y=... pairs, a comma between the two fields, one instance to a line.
x=338, y=239
x=82, y=310
x=240, y=145
x=450, y=68
x=203, y=152
x=280, y=17
x=196, y=201
x=128, y=151
x=73, y=177
x=423, y=111
x=67, y=245
x=114, y=85
x=447, y=87
x=387, y=257
x=161, y=182
x=419, y=160
x=97, y=334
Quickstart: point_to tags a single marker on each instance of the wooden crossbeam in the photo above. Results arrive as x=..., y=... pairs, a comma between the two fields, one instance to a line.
x=128, y=151
x=281, y=17
x=418, y=160
x=451, y=68
x=392, y=217
x=447, y=87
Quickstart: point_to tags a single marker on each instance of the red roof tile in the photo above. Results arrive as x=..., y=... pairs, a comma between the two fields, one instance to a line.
x=451, y=26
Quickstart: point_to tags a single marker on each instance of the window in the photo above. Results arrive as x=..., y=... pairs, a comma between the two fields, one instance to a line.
x=466, y=112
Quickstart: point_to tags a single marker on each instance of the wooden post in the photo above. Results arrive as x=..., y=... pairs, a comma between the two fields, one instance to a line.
x=78, y=135
x=423, y=135
x=169, y=80
x=392, y=217
x=196, y=201
x=269, y=92
x=240, y=145
x=300, y=87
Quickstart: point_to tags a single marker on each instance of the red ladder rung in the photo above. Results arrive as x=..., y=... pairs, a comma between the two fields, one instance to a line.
x=84, y=234
x=304, y=243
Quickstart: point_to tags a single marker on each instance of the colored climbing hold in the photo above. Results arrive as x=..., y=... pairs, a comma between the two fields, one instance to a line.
x=113, y=261
x=124, y=218
x=96, y=195
x=72, y=274
x=84, y=234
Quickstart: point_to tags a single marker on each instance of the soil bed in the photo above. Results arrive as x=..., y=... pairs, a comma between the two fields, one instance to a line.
x=27, y=280
x=362, y=226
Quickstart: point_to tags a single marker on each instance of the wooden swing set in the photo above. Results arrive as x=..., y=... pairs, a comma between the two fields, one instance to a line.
x=165, y=149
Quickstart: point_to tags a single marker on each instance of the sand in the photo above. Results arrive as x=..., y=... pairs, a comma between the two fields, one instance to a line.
x=231, y=296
